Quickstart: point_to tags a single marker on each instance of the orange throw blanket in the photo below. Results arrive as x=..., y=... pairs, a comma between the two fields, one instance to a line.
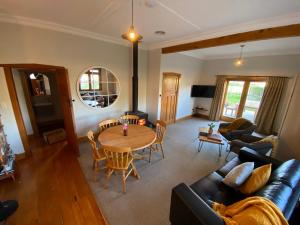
x=251, y=211
x=237, y=123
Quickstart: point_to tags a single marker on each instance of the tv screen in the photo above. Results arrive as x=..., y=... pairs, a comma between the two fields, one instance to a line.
x=204, y=91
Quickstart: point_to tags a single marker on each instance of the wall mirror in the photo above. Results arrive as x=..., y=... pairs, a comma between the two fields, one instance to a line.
x=98, y=87
x=39, y=84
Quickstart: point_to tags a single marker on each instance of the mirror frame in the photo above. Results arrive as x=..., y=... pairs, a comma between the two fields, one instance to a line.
x=78, y=90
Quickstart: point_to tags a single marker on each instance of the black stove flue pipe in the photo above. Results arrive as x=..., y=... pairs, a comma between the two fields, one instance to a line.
x=135, y=78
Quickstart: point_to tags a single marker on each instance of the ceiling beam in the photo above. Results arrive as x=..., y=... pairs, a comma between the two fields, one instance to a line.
x=256, y=35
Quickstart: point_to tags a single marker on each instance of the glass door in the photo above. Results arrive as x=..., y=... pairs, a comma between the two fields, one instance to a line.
x=253, y=99
x=233, y=99
x=242, y=99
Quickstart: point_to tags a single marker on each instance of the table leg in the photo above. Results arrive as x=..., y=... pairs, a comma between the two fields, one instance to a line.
x=200, y=145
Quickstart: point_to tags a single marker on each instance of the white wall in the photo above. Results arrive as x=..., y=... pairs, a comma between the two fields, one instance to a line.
x=153, y=84
x=254, y=66
x=21, y=44
x=289, y=144
x=22, y=101
x=190, y=70
x=8, y=118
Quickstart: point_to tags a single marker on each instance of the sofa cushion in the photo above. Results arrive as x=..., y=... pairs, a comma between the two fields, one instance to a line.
x=288, y=173
x=277, y=192
x=293, y=202
x=257, y=180
x=239, y=174
x=211, y=188
x=229, y=166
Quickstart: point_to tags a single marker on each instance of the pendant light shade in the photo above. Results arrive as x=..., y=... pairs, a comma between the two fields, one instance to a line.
x=240, y=61
x=132, y=35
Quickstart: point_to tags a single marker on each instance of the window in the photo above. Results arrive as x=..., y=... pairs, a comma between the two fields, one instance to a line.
x=242, y=98
x=90, y=81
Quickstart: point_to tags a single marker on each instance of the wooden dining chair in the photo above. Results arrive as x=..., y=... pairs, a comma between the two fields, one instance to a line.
x=108, y=123
x=161, y=128
x=98, y=153
x=120, y=159
x=132, y=119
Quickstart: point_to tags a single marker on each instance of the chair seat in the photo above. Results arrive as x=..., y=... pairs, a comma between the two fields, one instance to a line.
x=121, y=164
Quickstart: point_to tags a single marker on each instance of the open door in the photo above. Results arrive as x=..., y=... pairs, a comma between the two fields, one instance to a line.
x=67, y=108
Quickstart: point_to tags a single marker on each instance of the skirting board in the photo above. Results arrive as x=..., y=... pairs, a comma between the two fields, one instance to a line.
x=20, y=156
x=201, y=116
x=82, y=139
x=184, y=118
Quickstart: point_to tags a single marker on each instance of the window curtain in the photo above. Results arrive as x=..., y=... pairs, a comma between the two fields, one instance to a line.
x=269, y=104
x=215, y=109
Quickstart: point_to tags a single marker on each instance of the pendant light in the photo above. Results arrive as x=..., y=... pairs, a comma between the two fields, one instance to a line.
x=240, y=60
x=131, y=35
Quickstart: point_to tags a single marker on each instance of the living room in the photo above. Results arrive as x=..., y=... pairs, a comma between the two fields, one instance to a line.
x=32, y=38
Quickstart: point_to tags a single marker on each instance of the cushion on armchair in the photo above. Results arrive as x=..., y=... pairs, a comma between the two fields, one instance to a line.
x=235, y=125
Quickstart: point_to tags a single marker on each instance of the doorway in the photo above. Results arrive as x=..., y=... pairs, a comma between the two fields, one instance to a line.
x=243, y=98
x=170, y=87
x=47, y=99
x=40, y=104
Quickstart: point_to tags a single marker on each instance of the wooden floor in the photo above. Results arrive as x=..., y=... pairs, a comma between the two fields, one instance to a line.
x=51, y=190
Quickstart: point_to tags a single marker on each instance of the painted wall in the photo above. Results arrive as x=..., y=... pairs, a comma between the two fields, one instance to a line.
x=190, y=70
x=21, y=44
x=289, y=144
x=153, y=84
x=22, y=102
x=8, y=118
x=254, y=66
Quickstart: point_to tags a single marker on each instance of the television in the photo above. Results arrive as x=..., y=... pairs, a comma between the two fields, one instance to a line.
x=204, y=91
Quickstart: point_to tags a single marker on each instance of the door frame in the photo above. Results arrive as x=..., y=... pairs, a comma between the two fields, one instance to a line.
x=170, y=74
x=243, y=99
x=65, y=93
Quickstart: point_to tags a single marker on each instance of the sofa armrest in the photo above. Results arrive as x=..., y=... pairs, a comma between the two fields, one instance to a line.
x=250, y=138
x=223, y=125
x=188, y=208
x=249, y=155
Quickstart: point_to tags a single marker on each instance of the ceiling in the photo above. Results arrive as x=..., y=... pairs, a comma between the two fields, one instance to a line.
x=282, y=46
x=182, y=20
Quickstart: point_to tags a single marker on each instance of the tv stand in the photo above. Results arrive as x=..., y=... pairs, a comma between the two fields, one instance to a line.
x=199, y=112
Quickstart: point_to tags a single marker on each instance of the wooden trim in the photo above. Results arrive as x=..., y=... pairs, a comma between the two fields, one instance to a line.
x=184, y=118
x=29, y=104
x=202, y=116
x=256, y=35
x=243, y=78
x=243, y=99
x=34, y=66
x=20, y=156
x=82, y=139
x=16, y=108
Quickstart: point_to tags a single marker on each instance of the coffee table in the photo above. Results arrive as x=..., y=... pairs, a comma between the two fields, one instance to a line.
x=206, y=138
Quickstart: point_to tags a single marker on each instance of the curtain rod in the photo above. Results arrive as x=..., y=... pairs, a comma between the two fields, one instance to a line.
x=241, y=76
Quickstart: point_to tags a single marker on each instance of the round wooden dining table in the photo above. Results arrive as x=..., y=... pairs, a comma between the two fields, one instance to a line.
x=139, y=137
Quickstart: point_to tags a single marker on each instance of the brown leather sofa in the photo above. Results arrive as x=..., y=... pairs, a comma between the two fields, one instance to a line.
x=191, y=205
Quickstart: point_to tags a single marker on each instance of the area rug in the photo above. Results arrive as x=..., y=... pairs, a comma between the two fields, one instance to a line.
x=147, y=201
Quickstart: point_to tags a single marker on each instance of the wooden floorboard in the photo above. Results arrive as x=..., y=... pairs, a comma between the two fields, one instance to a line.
x=51, y=189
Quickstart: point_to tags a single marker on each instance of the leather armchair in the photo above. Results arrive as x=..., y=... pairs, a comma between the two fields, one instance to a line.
x=250, y=141
x=246, y=128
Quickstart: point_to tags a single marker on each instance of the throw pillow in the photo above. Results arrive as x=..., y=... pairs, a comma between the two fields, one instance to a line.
x=273, y=140
x=257, y=180
x=236, y=124
x=239, y=174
